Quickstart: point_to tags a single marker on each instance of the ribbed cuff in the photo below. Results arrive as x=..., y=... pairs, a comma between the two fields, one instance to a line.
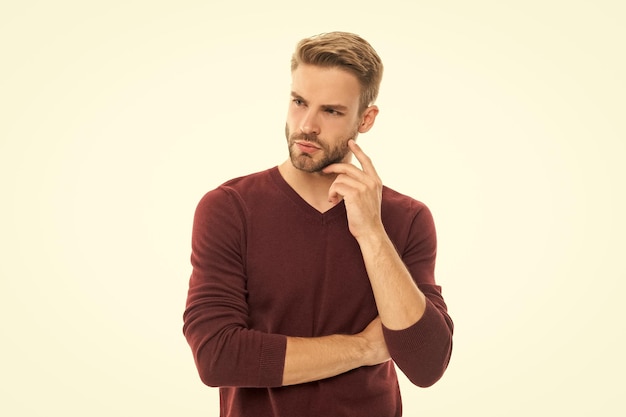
x=272, y=360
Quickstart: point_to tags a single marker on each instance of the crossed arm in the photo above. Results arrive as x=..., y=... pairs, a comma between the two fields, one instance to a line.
x=312, y=359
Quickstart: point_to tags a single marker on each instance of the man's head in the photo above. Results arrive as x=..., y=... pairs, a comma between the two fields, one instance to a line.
x=335, y=81
x=345, y=51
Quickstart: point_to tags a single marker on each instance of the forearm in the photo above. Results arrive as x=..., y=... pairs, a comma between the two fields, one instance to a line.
x=312, y=359
x=399, y=301
x=316, y=358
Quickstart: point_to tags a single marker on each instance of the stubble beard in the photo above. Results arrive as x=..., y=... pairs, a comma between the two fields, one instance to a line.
x=309, y=163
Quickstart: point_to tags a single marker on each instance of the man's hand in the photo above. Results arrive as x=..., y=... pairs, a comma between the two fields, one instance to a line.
x=377, y=348
x=361, y=190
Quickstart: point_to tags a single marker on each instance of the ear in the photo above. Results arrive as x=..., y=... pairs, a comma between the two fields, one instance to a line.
x=368, y=118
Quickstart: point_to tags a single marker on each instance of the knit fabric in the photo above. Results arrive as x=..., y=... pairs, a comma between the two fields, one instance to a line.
x=267, y=265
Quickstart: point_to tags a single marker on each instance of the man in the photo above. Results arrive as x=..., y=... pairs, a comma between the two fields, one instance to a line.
x=311, y=279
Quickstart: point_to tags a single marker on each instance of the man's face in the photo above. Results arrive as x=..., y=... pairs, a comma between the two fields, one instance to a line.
x=322, y=117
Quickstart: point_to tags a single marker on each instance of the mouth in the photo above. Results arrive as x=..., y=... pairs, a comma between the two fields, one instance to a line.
x=306, y=146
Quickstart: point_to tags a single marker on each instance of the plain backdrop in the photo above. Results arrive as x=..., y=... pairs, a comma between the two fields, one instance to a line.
x=505, y=117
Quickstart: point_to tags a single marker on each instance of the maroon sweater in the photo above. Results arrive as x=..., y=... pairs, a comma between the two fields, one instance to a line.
x=267, y=265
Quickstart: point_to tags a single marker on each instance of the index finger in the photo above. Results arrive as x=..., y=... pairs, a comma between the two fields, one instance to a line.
x=364, y=160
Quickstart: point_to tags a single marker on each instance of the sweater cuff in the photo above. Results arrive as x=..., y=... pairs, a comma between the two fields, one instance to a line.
x=414, y=337
x=272, y=360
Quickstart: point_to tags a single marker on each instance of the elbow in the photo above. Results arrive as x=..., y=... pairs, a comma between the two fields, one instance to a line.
x=426, y=380
x=209, y=377
x=437, y=373
x=430, y=367
x=206, y=371
x=210, y=364
x=427, y=377
x=211, y=347
x=213, y=370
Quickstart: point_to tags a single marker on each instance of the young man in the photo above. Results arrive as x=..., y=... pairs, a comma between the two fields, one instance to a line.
x=311, y=279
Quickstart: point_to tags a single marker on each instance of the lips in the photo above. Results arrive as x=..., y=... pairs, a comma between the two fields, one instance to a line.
x=307, y=147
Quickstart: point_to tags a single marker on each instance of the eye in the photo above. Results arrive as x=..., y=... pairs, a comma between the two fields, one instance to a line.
x=298, y=102
x=333, y=112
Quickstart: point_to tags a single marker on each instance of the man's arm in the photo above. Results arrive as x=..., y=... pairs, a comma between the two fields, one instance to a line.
x=312, y=359
x=417, y=328
x=399, y=301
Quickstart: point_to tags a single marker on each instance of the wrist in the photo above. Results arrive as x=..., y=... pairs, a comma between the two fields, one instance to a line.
x=373, y=236
x=359, y=351
x=375, y=245
x=372, y=345
x=369, y=353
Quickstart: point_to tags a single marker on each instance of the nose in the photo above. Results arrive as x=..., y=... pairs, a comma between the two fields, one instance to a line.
x=309, y=124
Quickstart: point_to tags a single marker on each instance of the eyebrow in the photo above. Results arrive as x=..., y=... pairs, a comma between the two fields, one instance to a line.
x=340, y=107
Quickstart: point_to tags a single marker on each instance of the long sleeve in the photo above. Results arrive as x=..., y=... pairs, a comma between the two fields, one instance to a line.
x=216, y=324
x=423, y=350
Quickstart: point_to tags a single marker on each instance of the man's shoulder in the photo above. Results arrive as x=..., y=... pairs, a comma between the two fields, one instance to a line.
x=402, y=213
x=245, y=187
x=253, y=180
x=400, y=203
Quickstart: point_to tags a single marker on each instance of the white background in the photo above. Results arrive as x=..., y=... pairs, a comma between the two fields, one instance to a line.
x=505, y=117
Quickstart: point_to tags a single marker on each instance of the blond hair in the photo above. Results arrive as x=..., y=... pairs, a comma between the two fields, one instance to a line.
x=345, y=51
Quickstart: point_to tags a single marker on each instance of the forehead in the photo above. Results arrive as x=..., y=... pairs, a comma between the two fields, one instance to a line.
x=321, y=85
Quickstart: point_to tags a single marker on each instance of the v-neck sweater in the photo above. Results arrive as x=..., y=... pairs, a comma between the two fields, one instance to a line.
x=267, y=265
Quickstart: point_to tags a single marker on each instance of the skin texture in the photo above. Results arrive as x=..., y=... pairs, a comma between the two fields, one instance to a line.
x=323, y=122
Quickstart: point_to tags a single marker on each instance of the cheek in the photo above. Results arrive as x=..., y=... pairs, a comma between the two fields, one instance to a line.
x=292, y=119
x=343, y=129
x=289, y=124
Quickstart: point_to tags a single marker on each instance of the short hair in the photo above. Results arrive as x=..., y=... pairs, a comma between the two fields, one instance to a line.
x=346, y=51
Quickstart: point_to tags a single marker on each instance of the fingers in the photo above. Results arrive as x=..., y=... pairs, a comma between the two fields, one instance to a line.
x=364, y=160
x=353, y=171
x=343, y=168
x=344, y=185
x=350, y=179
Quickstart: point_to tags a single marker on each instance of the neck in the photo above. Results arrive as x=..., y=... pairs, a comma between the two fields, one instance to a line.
x=311, y=186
